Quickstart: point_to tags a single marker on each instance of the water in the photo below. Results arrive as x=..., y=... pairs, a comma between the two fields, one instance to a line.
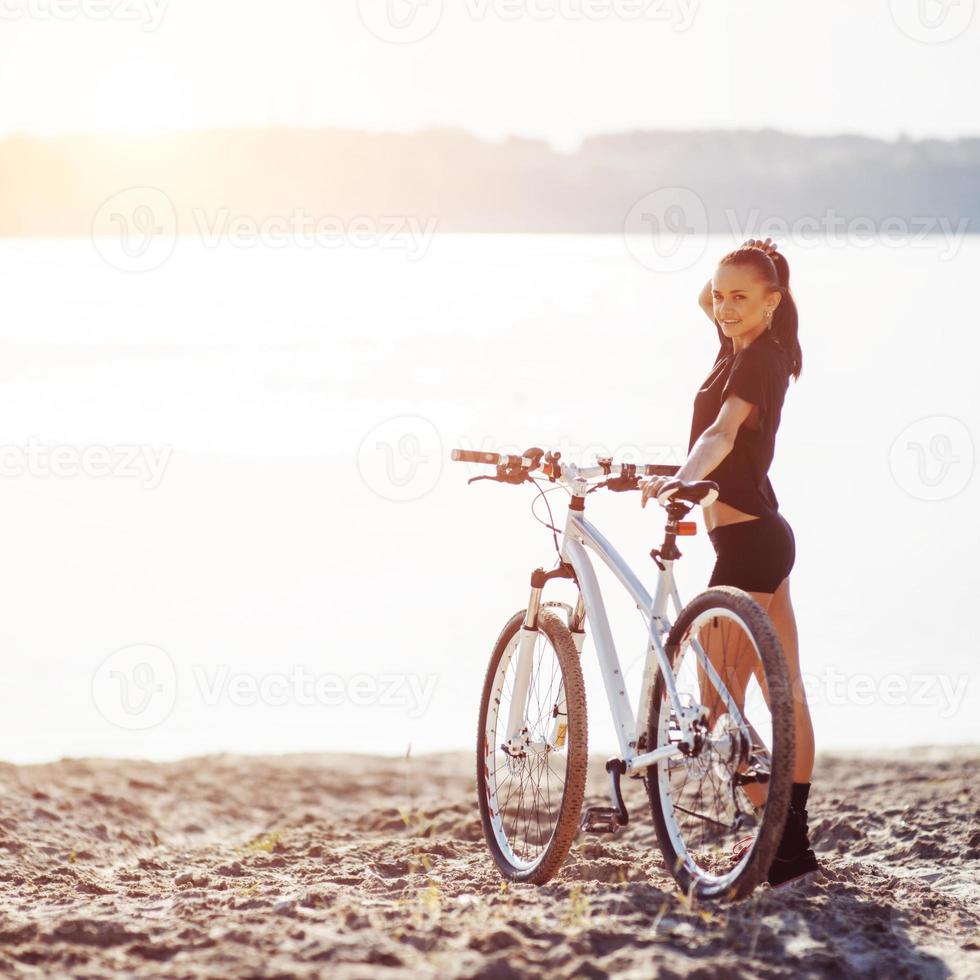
x=269, y=533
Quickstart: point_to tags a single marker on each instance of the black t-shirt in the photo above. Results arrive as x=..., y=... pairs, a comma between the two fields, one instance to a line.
x=759, y=374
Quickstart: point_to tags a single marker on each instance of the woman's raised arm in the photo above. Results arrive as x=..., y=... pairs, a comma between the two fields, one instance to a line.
x=706, y=303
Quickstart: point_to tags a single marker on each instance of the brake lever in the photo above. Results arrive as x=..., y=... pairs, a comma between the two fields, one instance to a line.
x=618, y=484
x=623, y=483
x=516, y=477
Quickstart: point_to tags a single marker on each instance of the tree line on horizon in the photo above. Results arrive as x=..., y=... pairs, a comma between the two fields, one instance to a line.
x=57, y=185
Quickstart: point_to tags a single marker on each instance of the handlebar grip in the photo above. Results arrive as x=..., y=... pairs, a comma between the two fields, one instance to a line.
x=490, y=459
x=473, y=456
x=655, y=469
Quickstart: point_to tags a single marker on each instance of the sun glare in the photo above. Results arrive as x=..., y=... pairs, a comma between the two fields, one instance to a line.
x=136, y=97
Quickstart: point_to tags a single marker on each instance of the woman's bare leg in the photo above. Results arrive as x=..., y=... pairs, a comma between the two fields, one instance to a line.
x=781, y=613
x=734, y=660
x=777, y=604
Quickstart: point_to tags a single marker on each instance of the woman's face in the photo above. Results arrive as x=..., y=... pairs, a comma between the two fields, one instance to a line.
x=741, y=300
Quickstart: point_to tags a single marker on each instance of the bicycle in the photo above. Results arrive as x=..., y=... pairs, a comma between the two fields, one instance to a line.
x=694, y=738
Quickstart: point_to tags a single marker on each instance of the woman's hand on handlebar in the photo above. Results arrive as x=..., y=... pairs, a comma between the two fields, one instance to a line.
x=652, y=487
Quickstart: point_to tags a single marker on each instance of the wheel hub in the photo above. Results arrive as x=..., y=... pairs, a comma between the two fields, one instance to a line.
x=729, y=748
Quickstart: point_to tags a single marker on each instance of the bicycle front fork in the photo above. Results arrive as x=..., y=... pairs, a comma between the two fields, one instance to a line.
x=519, y=740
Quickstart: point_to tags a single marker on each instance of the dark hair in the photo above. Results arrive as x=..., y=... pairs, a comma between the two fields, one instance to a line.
x=773, y=270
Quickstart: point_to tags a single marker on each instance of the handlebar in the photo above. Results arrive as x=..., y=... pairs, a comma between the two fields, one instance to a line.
x=619, y=477
x=517, y=469
x=530, y=462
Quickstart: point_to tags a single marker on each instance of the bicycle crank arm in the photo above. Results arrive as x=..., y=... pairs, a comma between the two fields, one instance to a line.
x=640, y=762
x=607, y=819
x=616, y=768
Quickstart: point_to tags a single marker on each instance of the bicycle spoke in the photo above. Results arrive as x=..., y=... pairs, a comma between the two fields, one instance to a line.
x=705, y=809
x=521, y=784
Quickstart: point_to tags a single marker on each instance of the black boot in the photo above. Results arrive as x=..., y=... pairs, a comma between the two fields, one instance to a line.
x=794, y=858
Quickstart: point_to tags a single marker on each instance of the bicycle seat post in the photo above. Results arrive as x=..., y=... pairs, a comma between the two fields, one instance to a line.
x=668, y=551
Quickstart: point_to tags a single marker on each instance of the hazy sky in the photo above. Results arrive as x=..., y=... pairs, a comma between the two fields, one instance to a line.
x=558, y=69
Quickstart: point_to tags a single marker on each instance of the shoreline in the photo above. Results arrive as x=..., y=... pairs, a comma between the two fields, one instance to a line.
x=922, y=750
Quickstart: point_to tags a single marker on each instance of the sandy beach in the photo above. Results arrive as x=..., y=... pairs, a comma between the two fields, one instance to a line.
x=347, y=866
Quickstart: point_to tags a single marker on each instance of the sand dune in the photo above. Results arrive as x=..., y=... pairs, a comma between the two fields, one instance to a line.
x=349, y=866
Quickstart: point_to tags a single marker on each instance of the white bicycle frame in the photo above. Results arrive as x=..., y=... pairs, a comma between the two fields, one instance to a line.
x=579, y=534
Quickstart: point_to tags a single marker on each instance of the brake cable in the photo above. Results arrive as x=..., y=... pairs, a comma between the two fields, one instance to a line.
x=543, y=494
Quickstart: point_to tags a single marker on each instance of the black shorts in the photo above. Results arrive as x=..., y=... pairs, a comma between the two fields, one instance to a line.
x=753, y=555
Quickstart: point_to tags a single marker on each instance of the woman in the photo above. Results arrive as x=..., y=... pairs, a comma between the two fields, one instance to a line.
x=733, y=433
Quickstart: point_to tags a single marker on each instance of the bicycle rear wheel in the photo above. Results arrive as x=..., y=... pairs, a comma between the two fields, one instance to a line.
x=736, y=780
x=531, y=796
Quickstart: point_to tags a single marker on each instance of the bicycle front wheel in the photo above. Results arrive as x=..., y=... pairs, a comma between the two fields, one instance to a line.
x=734, y=782
x=532, y=781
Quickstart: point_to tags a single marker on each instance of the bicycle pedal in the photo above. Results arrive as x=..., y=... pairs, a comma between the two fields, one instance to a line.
x=600, y=820
x=746, y=778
